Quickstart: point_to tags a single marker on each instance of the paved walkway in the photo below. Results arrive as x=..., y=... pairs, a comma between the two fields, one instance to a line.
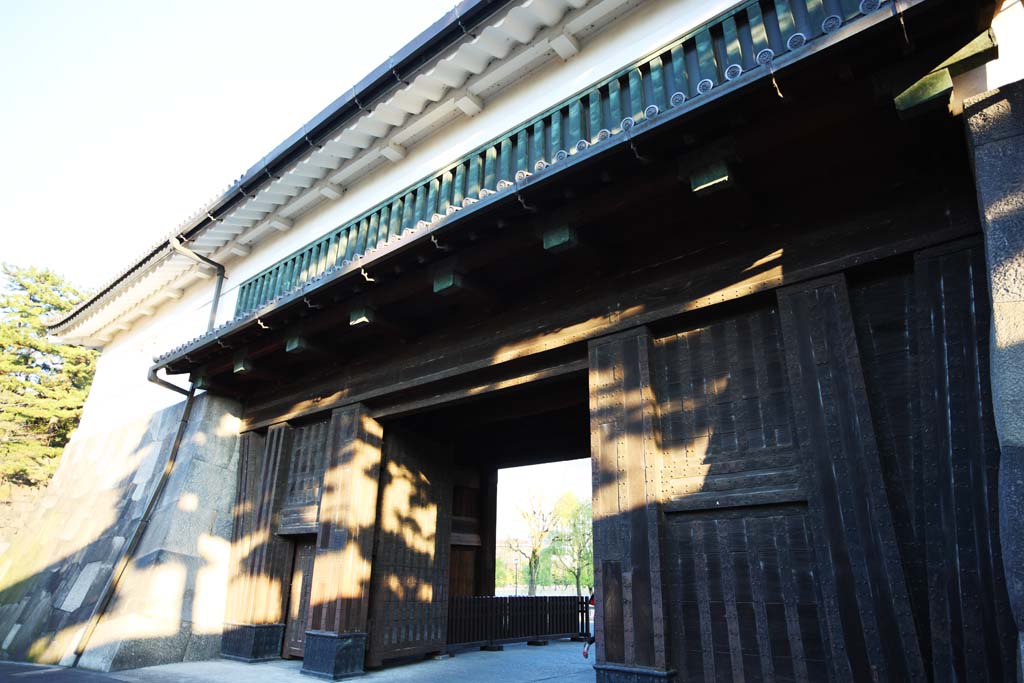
x=518, y=663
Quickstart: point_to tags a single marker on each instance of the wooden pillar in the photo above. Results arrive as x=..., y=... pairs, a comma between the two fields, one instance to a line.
x=868, y=618
x=336, y=639
x=630, y=619
x=488, y=520
x=260, y=560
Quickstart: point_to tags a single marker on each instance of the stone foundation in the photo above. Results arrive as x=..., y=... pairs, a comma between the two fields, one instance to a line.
x=995, y=134
x=169, y=606
x=16, y=506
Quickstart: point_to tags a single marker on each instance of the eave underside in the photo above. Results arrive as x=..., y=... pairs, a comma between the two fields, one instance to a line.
x=824, y=177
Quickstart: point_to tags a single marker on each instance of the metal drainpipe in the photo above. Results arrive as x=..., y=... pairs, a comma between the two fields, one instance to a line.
x=110, y=587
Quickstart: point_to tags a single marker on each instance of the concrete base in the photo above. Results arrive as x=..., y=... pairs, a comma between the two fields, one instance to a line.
x=622, y=673
x=252, y=643
x=334, y=656
x=559, y=663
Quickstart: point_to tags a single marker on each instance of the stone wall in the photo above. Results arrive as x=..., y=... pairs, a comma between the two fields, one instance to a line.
x=16, y=506
x=169, y=604
x=995, y=133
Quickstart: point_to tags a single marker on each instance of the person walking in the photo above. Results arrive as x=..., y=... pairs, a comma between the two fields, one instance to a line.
x=591, y=638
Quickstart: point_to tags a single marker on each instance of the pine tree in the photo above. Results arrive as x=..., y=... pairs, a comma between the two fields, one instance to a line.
x=43, y=385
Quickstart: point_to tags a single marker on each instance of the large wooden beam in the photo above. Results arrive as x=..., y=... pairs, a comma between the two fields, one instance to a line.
x=671, y=290
x=336, y=641
x=935, y=88
x=630, y=620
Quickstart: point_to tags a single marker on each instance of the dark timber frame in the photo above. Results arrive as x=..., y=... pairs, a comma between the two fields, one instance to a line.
x=785, y=379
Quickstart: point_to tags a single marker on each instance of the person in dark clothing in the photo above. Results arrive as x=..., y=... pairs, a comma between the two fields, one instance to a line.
x=591, y=639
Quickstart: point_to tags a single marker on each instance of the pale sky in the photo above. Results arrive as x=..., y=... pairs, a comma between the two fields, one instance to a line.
x=547, y=483
x=119, y=119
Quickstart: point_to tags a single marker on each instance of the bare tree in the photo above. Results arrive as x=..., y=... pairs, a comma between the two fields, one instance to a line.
x=574, y=536
x=539, y=523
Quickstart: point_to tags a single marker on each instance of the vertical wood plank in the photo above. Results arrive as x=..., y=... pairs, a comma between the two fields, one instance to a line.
x=884, y=312
x=348, y=502
x=249, y=458
x=871, y=627
x=972, y=630
x=261, y=559
x=410, y=584
x=627, y=478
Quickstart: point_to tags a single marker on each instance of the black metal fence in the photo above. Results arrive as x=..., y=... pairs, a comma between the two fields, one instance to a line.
x=492, y=620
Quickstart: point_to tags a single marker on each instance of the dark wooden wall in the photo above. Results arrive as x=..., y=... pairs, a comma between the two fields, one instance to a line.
x=824, y=463
x=795, y=485
x=924, y=335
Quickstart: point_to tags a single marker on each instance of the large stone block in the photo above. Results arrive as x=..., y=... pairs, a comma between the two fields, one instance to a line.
x=618, y=673
x=995, y=115
x=334, y=656
x=252, y=643
x=157, y=647
x=169, y=604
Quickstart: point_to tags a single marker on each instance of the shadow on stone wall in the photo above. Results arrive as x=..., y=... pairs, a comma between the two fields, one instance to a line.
x=169, y=604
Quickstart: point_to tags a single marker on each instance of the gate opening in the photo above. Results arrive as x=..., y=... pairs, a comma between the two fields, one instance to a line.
x=438, y=553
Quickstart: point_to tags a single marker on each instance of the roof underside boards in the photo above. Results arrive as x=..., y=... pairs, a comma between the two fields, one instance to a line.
x=511, y=44
x=329, y=268
x=741, y=42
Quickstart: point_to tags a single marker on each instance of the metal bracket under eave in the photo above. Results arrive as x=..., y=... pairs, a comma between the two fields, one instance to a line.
x=934, y=89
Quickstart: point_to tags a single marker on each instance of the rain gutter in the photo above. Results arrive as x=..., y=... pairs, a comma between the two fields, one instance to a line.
x=443, y=33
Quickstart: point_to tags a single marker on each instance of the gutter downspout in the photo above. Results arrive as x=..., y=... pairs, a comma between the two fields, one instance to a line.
x=110, y=588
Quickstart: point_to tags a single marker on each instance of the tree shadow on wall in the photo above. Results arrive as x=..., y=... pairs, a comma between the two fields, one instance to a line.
x=56, y=572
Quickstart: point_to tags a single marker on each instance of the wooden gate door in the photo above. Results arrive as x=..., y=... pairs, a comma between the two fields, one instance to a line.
x=409, y=584
x=298, y=601
x=748, y=437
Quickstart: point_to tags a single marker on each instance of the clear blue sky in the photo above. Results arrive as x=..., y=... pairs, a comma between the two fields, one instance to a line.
x=120, y=119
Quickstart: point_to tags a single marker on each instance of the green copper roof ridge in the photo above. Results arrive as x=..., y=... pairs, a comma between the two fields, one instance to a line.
x=709, y=67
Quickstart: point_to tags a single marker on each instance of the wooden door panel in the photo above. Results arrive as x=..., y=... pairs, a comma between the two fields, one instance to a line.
x=726, y=420
x=744, y=588
x=869, y=620
x=741, y=582
x=307, y=461
x=298, y=601
x=409, y=585
x=463, y=571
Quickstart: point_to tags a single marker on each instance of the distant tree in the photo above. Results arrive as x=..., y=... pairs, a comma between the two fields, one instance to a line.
x=43, y=385
x=503, y=572
x=539, y=524
x=573, y=540
x=548, y=573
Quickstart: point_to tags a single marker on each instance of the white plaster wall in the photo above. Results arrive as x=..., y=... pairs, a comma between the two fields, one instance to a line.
x=1008, y=26
x=121, y=388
